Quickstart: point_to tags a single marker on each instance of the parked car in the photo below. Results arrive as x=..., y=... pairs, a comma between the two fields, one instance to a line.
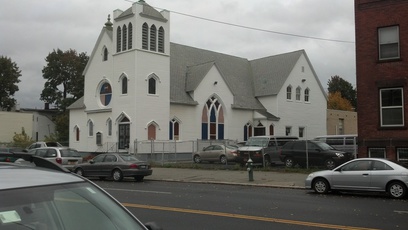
x=67, y=157
x=346, y=143
x=116, y=166
x=48, y=196
x=260, y=148
x=220, y=153
x=313, y=153
x=42, y=144
x=362, y=174
x=8, y=155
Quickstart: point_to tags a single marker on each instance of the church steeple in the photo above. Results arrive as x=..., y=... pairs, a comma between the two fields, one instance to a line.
x=109, y=24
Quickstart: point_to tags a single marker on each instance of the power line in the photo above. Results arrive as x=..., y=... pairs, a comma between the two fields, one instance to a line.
x=253, y=28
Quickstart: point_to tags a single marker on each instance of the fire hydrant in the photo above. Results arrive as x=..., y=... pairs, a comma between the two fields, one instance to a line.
x=250, y=169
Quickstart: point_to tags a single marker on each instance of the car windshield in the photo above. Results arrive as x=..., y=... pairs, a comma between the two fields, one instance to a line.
x=259, y=141
x=69, y=153
x=324, y=146
x=129, y=158
x=66, y=206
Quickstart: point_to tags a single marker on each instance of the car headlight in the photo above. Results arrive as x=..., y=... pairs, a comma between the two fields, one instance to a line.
x=339, y=154
x=310, y=175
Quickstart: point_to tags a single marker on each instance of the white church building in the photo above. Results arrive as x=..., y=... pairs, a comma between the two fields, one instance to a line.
x=140, y=86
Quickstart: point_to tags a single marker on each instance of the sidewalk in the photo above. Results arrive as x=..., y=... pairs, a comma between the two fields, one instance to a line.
x=261, y=178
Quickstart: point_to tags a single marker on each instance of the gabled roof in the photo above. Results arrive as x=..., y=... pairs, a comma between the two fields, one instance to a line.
x=78, y=104
x=195, y=74
x=103, y=31
x=270, y=73
x=187, y=65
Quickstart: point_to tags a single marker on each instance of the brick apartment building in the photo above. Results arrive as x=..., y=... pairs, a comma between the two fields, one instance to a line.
x=382, y=78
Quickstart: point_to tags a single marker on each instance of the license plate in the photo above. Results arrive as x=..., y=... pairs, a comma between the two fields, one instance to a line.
x=72, y=162
x=143, y=166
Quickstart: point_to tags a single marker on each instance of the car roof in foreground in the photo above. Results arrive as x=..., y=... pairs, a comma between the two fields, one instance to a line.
x=16, y=176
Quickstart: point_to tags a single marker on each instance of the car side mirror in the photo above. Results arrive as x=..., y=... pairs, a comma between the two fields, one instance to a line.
x=91, y=161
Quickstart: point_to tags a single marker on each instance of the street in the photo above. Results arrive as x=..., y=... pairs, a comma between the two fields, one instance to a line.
x=175, y=205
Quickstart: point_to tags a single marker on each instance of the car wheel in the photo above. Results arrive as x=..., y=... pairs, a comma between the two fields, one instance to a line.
x=79, y=171
x=321, y=186
x=289, y=162
x=139, y=178
x=397, y=190
x=117, y=175
x=330, y=164
x=223, y=159
x=197, y=159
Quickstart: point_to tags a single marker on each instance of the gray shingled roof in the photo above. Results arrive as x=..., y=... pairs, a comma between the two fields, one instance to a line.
x=189, y=65
x=270, y=73
x=78, y=104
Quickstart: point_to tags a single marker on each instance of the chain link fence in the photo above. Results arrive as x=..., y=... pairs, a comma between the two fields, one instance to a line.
x=159, y=151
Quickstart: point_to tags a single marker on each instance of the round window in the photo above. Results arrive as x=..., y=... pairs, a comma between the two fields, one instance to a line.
x=105, y=94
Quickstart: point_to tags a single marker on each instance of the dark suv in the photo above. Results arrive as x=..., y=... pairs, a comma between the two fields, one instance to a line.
x=313, y=153
x=262, y=149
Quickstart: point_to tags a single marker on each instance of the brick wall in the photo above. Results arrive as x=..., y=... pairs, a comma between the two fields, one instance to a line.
x=373, y=74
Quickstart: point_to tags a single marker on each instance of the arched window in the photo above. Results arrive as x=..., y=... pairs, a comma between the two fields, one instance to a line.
x=118, y=39
x=124, y=85
x=105, y=93
x=307, y=91
x=151, y=132
x=153, y=38
x=130, y=40
x=109, y=124
x=174, y=130
x=90, y=128
x=152, y=85
x=105, y=54
x=247, y=131
x=145, y=36
x=212, y=120
x=161, y=40
x=289, y=92
x=77, y=132
x=271, y=130
x=298, y=92
x=124, y=39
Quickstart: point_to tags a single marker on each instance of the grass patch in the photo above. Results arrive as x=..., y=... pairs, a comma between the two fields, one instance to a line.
x=235, y=167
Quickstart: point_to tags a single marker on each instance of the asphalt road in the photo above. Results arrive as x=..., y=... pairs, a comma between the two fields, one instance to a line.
x=175, y=205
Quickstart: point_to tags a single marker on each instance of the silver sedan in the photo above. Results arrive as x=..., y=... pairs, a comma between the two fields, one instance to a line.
x=362, y=174
x=219, y=153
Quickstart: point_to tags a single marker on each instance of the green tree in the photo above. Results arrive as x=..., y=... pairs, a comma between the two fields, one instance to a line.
x=338, y=84
x=64, y=80
x=21, y=139
x=9, y=74
x=337, y=102
x=64, y=85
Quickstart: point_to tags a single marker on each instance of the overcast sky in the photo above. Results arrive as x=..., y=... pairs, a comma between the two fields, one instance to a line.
x=251, y=29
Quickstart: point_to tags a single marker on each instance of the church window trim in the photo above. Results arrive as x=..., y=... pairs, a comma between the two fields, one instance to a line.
x=118, y=39
x=153, y=38
x=145, y=36
x=105, y=93
x=124, y=38
x=161, y=40
x=130, y=36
